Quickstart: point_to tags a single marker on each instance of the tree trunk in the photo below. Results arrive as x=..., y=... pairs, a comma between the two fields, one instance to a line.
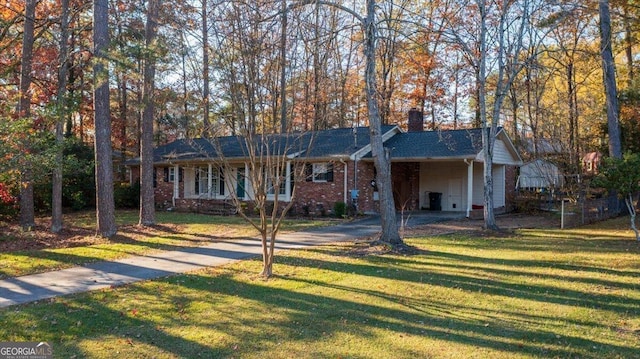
x=147, y=201
x=632, y=212
x=381, y=158
x=56, y=191
x=283, y=70
x=122, y=104
x=488, y=130
x=268, y=250
x=611, y=93
x=206, y=132
x=105, y=211
x=27, y=212
x=629, y=42
x=609, y=72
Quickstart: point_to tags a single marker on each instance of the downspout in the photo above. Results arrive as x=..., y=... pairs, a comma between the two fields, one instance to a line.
x=469, y=185
x=345, y=179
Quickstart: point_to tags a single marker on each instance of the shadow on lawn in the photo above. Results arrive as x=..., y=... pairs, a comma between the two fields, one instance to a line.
x=564, y=242
x=441, y=272
x=310, y=317
x=67, y=259
x=271, y=314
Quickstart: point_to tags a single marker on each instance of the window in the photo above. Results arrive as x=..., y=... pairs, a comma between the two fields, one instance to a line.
x=269, y=176
x=171, y=175
x=201, y=180
x=217, y=181
x=322, y=172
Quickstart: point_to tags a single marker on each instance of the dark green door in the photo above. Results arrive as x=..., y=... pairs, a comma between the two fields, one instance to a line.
x=240, y=183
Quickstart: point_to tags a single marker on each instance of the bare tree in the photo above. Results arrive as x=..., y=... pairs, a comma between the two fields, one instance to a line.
x=381, y=158
x=265, y=176
x=105, y=207
x=496, y=44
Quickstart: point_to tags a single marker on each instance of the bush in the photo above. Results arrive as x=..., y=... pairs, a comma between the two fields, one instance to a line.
x=126, y=196
x=78, y=179
x=8, y=202
x=77, y=201
x=340, y=209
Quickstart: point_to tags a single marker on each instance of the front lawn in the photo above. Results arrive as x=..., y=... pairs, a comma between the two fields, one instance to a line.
x=533, y=294
x=38, y=251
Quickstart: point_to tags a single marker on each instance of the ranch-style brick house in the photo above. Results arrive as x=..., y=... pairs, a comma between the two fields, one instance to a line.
x=431, y=170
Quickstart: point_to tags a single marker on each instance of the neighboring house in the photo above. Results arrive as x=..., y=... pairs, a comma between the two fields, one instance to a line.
x=540, y=174
x=437, y=170
x=591, y=162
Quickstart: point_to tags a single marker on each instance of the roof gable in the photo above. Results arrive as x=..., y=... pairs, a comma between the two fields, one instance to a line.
x=449, y=144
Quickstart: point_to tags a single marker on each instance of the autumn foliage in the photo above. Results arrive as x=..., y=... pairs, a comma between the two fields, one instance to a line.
x=8, y=202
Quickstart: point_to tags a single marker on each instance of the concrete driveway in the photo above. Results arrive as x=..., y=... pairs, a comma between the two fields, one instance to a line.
x=161, y=264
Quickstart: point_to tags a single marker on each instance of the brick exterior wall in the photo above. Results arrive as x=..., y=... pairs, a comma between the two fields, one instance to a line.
x=313, y=198
x=163, y=190
x=316, y=197
x=511, y=175
x=406, y=185
x=319, y=198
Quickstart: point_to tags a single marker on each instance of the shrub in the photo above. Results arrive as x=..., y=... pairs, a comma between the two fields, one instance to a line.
x=126, y=195
x=340, y=209
x=8, y=202
x=77, y=201
x=78, y=179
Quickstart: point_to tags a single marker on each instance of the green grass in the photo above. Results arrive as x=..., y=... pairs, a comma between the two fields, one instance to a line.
x=174, y=230
x=535, y=294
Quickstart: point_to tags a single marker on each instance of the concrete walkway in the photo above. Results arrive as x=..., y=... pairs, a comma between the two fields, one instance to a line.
x=161, y=264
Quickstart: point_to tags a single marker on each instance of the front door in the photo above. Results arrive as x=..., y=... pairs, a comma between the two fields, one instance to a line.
x=240, y=183
x=455, y=195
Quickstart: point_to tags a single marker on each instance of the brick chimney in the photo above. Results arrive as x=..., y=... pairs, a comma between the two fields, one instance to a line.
x=416, y=120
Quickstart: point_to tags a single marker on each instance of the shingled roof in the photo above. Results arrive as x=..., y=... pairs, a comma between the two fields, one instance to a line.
x=435, y=144
x=332, y=143
x=329, y=144
x=341, y=141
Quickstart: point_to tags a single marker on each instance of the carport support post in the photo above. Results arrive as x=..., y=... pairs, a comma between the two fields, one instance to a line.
x=469, y=186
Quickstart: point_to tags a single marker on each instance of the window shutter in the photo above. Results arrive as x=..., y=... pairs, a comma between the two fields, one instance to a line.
x=155, y=178
x=221, y=182
x=166, y=174
x=180, y=174
x=329, y=172
x=308, y=172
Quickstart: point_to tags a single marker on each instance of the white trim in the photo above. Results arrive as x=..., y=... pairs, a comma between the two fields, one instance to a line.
x=511, y=147
x=287, y=181
x=366, y=149
x=315, y=173
x=209, y=181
